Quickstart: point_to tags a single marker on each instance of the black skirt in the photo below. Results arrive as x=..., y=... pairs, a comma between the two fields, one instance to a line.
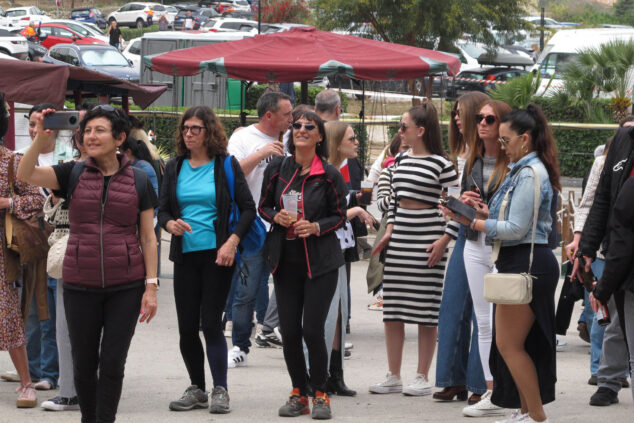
x=540, y=342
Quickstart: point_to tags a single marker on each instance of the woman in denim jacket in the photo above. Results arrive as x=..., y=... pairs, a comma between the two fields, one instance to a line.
x=523, y=354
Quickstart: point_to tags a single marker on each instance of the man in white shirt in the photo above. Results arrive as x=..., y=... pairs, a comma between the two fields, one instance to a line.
x=254, y=147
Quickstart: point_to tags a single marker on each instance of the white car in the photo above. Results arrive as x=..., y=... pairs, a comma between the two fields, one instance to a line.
x=242, y=25
x=135, y=14
x=84, y=28
x=4, y=21
x=239, y=6
x=132, y=51
x=170, y=15
x=22, y=16
x=13, y=45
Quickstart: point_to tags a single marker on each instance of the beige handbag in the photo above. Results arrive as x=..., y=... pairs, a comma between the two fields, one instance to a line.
x=58, y=240
x=513, y=288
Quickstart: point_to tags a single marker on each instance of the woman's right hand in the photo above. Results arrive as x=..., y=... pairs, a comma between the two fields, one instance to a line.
x=384, y=241
x=178, y=227
x=571, y=249
x=283, y=218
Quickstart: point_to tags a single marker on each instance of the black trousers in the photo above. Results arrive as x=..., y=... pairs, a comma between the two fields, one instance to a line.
x=100, y=327
x=298, y=296
x=200, y=292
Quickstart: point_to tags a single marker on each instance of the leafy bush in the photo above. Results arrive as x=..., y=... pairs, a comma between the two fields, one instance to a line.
x=256, y=91
x=130, y=33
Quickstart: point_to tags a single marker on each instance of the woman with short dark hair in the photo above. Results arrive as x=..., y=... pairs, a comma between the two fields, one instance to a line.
x=194, y=207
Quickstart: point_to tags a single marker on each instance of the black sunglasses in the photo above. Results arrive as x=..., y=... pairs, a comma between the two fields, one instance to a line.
x=455, y=113
x=298, y=125
x=489, y=119
x=104, y=107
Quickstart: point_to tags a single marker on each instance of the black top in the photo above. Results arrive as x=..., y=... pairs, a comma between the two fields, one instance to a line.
x=147, y=200
x=115, y=34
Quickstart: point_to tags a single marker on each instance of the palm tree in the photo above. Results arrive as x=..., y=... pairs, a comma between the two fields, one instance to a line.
x=519, y=92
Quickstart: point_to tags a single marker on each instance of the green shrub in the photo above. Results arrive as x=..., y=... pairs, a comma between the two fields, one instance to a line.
x=576, y=147
x=256, y=91
x=130, y=33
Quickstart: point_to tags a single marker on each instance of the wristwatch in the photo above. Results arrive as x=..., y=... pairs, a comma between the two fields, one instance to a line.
x=153, y=281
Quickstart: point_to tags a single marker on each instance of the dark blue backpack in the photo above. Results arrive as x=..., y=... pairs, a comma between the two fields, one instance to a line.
x=253, y=241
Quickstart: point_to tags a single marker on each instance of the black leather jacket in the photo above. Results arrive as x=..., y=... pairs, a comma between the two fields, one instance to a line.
x=324, y=200
x=617, y=168
x=170, y=210
x=476, y=174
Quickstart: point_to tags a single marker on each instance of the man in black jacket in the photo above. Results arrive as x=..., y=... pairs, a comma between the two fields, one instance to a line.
x=617, y=169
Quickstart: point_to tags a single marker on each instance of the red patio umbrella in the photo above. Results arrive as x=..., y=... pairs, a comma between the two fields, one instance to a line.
x=303, y=54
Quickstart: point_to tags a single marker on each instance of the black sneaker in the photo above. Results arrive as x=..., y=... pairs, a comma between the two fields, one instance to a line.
x=267, y=340
x=61, y=404
x=219, y=401
x=593, y=380
x=296, y=405
x=193, y=397
x=604, y=397
x=625, y=383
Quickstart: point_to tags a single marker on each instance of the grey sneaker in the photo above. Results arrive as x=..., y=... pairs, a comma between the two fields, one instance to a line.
x=219, y=401
x=193, y=397
x=321, y=407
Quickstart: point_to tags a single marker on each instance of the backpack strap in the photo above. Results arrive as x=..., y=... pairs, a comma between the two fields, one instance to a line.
x=73, y=180
x=140, y=181
x=230, y=177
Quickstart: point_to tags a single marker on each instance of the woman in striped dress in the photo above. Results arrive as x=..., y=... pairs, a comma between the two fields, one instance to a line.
x=416, y=254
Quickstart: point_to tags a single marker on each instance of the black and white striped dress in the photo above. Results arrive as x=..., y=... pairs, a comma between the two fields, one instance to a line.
x=412, y=290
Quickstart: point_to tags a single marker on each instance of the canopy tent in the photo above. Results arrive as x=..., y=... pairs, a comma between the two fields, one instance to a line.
x=34, y=82
x=303, y=54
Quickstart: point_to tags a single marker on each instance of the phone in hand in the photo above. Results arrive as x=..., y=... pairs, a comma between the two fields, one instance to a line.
x=61, y=120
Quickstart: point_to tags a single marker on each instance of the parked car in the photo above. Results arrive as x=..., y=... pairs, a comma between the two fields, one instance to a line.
x=52, y=34
x=22, y=16
x=4, y=21
x=280, y=27
x=241, y=8
x=242, y=25
x=90, y=14
x=170, y=15
x=549, y=23
x=100, y=58
x=481, y=80
x=132, y=52
x=135, y=14
x=13, y=45
x=200, y=16
x=86, y=29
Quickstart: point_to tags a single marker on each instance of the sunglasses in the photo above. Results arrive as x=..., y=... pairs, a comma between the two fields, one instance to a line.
x=298, y=125
x=455, y=113
x=104, y=107
x=194, y=129
x=403, y=127
x=489, y=119
x=504, y=143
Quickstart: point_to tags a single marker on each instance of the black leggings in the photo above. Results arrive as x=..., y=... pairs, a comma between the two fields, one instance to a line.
x=298, y=295
x=88, y=314
x=200, y=289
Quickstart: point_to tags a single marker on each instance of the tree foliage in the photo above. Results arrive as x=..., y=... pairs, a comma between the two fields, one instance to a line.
x=277, y=11
x=422, y=23
x=625, y=9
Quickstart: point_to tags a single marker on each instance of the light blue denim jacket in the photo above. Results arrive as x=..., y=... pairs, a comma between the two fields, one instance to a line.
x=516, y=227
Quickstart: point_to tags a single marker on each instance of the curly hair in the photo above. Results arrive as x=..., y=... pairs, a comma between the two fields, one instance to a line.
x=215, y=136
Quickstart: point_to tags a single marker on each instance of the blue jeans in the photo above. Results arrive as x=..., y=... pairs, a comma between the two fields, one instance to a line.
x=247, y=280
x=261, y=301
x=458, y=358
x=41, y=345
x=596, y=331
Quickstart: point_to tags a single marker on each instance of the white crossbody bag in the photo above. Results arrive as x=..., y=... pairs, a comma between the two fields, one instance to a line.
x=513, y=288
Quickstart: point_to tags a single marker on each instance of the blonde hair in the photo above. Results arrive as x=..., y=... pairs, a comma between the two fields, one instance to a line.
x=335, y=131
x=470, y=105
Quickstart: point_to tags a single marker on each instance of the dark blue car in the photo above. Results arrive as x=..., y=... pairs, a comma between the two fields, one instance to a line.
x=199, y=17
x=89, y=14
x=100, y=58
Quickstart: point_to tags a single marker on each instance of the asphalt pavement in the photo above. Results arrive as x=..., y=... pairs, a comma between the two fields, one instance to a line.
x=155, y=375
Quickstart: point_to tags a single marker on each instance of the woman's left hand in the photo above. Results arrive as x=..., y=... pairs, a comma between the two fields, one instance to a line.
x=149, y=304
x=304, y=228
x=226, y=254
x=437, y=250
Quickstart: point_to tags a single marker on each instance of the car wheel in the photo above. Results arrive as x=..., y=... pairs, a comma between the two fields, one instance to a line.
x=139, y=23
x=5, y=51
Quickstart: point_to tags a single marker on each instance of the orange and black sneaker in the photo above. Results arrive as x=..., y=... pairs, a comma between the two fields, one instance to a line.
x=321, y=406
x=296, y=405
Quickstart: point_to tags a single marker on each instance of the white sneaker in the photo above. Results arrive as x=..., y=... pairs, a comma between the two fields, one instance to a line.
x=237, y=358
x=527, y=419
x=561, y=343
x=483, y=408
x=348, y=345
x=277, y=332
x=421, y=386
x=10, y=376
x=228, y=329
x=515, y=417
x=390, y=385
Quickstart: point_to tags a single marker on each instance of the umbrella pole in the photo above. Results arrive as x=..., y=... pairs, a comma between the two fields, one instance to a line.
x=362, y=112
x=125, y=104
x=243, y=116
x=77, y=98
x=304, y=93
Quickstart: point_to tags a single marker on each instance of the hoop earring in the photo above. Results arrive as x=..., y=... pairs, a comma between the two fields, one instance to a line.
x=524, y=149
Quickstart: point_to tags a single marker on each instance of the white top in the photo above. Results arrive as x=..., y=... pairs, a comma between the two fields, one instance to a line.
x=375, y=170
x=581, y=212
x=244, y=143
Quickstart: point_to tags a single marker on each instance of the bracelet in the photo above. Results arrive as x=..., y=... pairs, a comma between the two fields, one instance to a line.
x=472, y=224
x=152, y=281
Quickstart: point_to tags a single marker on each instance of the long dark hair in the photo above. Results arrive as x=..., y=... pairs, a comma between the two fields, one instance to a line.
x=470, y=104
x=532, y=121
x=426, y=116
x=215, y=136
x=322, y=147
x=138, y=149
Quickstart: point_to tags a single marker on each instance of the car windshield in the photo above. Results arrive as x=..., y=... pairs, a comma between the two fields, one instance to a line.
x=473, y=50
x=103, y=57
x=5, y=33
x=80, y=13
x=12, y=13
x=471, y=75
x=80, y=29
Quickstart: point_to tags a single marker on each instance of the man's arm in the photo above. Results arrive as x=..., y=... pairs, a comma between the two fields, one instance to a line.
x=273, y=148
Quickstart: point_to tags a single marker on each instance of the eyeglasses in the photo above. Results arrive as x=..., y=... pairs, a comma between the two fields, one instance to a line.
x=504, y=143
x=194, y=129
x=489, y=119
x=298, y=125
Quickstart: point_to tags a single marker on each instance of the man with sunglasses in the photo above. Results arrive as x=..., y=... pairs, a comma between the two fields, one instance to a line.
x=254, y=147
